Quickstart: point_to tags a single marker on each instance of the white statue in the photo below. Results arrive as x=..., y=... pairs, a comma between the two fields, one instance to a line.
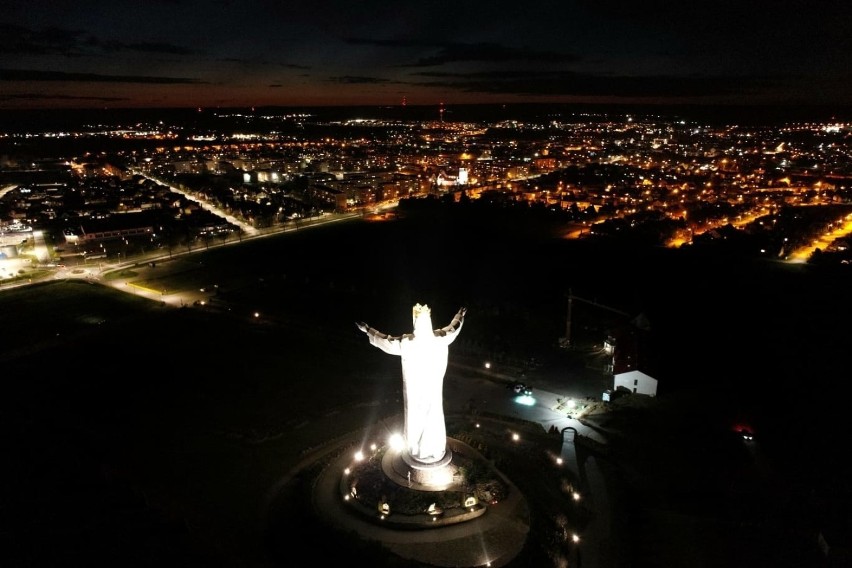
x=424, y=355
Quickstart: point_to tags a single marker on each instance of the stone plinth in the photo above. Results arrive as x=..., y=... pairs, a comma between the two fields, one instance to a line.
x=408, y=472
x=437, y=475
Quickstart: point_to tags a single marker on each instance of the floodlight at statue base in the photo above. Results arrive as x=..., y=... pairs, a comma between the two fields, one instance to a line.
x=435, y=476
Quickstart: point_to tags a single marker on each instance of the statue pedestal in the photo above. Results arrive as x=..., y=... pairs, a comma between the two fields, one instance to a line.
x=436, y=476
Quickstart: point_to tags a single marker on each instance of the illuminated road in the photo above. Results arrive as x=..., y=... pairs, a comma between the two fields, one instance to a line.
x=206, y=205
x=823, y=242
x=739, y=221
x=6, y=189
x=141, y=267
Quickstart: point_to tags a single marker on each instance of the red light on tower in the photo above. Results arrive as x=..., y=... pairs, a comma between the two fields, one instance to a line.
x=441, y=112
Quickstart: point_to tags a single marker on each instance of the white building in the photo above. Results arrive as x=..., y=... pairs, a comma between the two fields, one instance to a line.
x=636, y=382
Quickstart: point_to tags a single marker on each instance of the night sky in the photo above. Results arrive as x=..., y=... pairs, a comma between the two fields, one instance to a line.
x=187, y=53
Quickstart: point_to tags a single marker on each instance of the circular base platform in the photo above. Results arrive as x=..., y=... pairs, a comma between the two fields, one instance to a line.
x=451, y=538
x=437, y=476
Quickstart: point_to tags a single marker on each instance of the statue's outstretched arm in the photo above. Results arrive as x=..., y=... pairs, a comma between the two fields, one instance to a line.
x=381, y=340
x=372, y=332
x=455, y=325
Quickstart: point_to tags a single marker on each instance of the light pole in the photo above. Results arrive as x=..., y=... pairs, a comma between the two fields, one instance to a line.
x=575, y=550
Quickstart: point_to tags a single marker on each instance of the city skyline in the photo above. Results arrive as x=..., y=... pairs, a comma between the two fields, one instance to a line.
x=163, y=54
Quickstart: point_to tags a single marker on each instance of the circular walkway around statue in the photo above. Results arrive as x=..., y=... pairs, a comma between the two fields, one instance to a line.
x=493, y=539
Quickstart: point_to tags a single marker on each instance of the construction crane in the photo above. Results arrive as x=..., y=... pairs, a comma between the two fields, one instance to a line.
x=566, y=341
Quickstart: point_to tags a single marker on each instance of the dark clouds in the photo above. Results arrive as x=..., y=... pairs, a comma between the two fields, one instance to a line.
x=56, y=98
x=350, y=80
x=585, y=85
x=18, y=40
x=452, y=53
x=260, y=52
x=13, y=75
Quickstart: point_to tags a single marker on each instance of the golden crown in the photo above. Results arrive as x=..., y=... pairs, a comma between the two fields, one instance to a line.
x=421, y=309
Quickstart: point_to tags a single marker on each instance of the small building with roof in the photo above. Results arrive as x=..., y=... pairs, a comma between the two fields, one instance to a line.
x=631, y=361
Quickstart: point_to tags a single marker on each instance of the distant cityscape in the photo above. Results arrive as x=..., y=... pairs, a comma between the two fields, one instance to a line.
x=113, y=190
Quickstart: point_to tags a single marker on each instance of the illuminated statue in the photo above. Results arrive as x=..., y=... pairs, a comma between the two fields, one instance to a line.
x=424, y=355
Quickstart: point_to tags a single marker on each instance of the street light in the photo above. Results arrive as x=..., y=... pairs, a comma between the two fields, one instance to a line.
x=575, y=540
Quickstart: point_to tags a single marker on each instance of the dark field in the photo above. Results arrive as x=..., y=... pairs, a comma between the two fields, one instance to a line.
x=129, y=426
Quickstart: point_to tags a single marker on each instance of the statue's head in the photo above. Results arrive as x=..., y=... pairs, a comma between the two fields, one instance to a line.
x=422, y=318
